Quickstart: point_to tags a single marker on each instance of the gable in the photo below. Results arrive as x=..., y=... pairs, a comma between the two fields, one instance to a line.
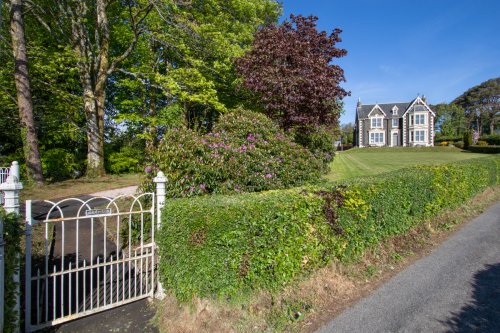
x=376, y=111
x=419, y=105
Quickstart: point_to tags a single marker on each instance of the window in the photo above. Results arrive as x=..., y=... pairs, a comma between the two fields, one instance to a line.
x=376, y=137
x=395, y=122
x=376, y=122
x=419, y=136
x=395, y=110
x=420, y=119
x=411, y=120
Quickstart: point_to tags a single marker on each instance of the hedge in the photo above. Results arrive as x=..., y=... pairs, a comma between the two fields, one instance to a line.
x=12, y=233
x=492, y=139
x=484, y=149
x=221, y=246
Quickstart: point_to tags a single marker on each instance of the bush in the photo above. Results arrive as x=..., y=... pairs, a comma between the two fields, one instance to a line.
x=459, y=144
x=482, y=143
x=467, y=139
x=485, y=149
x=127, y=160
x=439, y=139
x=220, y=246
x=59, y=164
x=320, y=143
x=492, y=139
x=12, y=235
x=245, y=152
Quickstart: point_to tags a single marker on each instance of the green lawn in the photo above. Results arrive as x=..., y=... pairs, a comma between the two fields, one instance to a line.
x=371, y=161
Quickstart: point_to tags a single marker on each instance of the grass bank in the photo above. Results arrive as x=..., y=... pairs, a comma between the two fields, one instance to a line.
x=74, y=187
x=371, y=161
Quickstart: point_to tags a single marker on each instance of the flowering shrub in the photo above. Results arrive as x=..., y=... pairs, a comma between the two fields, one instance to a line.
x=245, y=152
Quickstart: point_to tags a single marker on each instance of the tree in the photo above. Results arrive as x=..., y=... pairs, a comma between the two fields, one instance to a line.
x=450, y=120
x=347, y=132
x=185, y=62
x=290, y=70
x=482, y=102
x=24, y=97
x=101, y=35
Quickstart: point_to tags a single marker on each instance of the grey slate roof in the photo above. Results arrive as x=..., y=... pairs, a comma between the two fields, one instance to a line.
x=364, y=110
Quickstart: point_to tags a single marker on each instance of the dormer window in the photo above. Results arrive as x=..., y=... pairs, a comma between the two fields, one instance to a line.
x=395, y=110
x=376, y=122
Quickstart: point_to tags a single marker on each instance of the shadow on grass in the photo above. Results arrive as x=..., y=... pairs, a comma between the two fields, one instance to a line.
x=482, y=314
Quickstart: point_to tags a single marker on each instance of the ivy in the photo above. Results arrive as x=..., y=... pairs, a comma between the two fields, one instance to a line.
x=12, y=233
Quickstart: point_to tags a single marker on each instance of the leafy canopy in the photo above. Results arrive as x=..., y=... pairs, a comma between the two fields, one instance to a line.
x=289, y=69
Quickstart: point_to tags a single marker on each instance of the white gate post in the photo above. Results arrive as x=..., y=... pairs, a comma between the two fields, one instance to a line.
x=11, y=189
x=160, y=180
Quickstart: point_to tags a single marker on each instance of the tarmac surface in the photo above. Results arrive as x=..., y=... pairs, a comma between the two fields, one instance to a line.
x=454, y=289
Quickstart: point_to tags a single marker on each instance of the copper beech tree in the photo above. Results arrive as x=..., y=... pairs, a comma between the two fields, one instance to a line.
x=290, y=70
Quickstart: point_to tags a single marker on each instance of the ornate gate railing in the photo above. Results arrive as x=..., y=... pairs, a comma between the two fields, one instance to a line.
x=4, y=173
x=86, y=256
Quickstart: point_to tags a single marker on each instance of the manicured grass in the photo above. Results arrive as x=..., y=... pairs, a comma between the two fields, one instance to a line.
x=370, y=161
x=73, y=187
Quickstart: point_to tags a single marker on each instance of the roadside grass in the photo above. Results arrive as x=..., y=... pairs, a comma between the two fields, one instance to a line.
x=371, y=161
x=74, y=187
x=306, y=305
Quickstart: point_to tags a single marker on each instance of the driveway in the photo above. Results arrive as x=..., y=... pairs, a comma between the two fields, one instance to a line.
x=454, y=289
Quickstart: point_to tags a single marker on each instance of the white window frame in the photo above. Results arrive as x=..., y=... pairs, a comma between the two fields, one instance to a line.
x=420, y=119
x=395, y=122
x=377, y=119
x=377, y=138
x=395, y=110
x=420, y=136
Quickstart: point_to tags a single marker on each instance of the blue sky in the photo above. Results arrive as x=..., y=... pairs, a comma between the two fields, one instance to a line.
x=397, y=49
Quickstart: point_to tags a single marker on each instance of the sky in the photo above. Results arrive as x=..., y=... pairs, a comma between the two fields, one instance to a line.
x=398, y=49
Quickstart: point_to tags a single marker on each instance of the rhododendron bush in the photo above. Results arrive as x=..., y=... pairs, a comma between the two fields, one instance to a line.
x=245, y=152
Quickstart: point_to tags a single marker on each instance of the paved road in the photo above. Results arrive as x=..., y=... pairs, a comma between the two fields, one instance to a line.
x=454, y=289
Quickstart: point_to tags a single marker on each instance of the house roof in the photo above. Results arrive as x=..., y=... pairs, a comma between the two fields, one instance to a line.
x=364, y=110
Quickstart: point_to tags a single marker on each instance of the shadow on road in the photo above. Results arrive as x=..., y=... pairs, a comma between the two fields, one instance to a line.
x=482, y=314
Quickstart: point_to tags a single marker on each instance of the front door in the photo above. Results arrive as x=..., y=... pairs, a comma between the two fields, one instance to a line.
x=395, y=138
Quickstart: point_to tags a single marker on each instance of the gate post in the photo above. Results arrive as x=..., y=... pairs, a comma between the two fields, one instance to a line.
x=160, y=180
x=11, y=189
x=2, y=279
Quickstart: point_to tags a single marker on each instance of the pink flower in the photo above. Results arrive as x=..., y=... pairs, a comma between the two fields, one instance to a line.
x=148, y=169
x=203, y=187
x=269, y=175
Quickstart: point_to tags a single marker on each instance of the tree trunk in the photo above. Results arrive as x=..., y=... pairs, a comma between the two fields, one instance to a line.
x=151, y=130
x=492, y=123
x=95, y=156
x=24, y=99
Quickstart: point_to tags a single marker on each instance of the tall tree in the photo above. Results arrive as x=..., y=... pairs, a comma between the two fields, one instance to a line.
x=290, y=69
x=482, y=102
x=24, y=98
x=450, y=120
x=187, y=57
x=85, y=25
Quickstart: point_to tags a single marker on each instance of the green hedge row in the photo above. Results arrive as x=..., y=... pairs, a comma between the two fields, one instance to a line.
x=220, y=246
x=12, y=233
x=484, y=149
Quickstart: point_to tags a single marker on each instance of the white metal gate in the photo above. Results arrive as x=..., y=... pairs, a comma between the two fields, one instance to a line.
x=4, y=173
x=86, y=256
